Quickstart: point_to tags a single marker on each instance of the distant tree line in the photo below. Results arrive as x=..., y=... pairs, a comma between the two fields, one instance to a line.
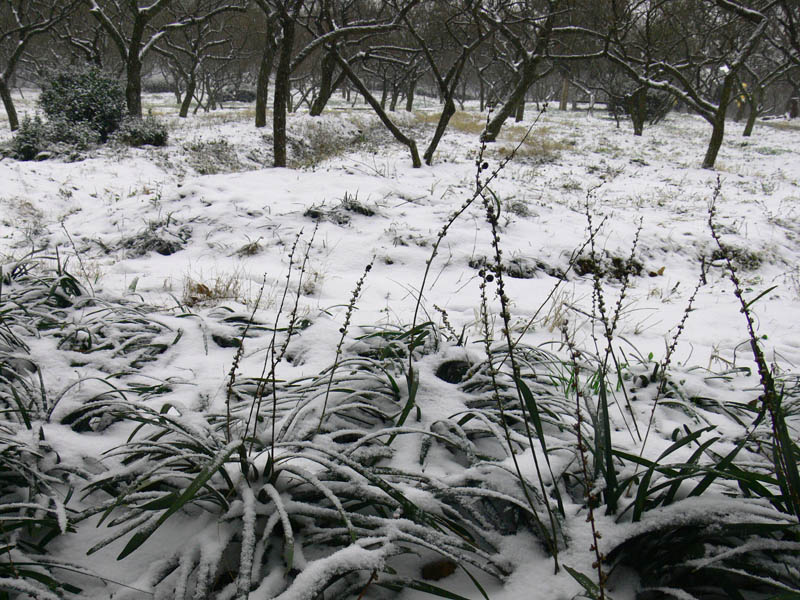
x=716, y=58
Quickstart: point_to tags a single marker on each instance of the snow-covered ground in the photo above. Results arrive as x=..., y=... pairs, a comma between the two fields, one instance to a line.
x=224, y=222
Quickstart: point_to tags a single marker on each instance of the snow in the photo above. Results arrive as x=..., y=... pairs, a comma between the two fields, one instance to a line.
x=233, y=230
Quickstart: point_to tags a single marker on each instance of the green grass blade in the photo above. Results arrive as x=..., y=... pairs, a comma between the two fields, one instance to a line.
x=533, y=411
x=188, y=494
x=591, y=588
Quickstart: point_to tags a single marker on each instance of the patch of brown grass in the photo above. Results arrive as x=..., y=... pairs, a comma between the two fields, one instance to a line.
x=212, y=291
x=782, y=125
x=465, y=122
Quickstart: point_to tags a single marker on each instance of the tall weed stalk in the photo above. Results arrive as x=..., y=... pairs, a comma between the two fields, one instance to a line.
x=785, y=451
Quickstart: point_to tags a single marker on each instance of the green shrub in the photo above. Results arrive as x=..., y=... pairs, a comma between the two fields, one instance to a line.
x=84, y=97
x=36, y=135
x=79, y=136
x=29, y=140
x=143, y=132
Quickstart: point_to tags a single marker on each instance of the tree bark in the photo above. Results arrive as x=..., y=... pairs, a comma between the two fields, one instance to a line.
x=528, y=76
x=281, y=93
x=384, y=93
x=447, y=112
x=637, y=108
x=326, y=86
x=133, y=87
x=191, y=86
x=793, y=108
x=755, y=104
x=395, y=96
x=8, y=104
x=412, y=86
x=564, y=99
x=262, y=84
x=718, y=130
x=520, y=113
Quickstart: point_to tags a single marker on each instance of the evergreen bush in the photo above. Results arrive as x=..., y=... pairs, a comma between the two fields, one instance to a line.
x=89, y=97
x=29, y=139
x=143, y=132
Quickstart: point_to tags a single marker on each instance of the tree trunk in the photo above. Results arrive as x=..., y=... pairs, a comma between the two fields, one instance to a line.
x=756, y=98
x=262, y=85
x=281, y=94
x=562, y=104
x=325, y=85
x=373, y=102
x=637, y=109
x=527, y=77
x=482, y=94
x=520, y=114
x=133, y=87
x=751, y=122
x=447, y=112
x=8, y=103
x=384, y=93
x=412, y=86
x=794, y=108
x=718, y=131
x=187, y=100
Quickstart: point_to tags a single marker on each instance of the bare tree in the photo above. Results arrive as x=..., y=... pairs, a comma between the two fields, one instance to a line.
x=693, y=50
x=456, y=28
x=135, y=30
x=291, y=15
x=525, y=29
x=189, y=48
x=21, y=21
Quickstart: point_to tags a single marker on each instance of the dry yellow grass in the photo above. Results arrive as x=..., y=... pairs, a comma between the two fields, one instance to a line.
x=461, y=121
x=782, y=125
x=213, y=291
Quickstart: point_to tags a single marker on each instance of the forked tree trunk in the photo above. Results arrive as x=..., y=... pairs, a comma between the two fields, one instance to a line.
x=191, y=86
x=528, y=76
x=8, y=104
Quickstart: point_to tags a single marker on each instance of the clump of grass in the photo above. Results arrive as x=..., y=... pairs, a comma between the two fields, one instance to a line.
x=217, y=289
x=351, y=203
x=743, y=258
x=209, y=157
x=249, y=249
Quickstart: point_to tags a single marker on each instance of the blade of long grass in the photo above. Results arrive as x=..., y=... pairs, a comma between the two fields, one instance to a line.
x=533, y=411
x=179, y=501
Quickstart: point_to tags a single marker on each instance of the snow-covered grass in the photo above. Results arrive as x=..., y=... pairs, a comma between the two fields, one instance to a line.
x=200, y=374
